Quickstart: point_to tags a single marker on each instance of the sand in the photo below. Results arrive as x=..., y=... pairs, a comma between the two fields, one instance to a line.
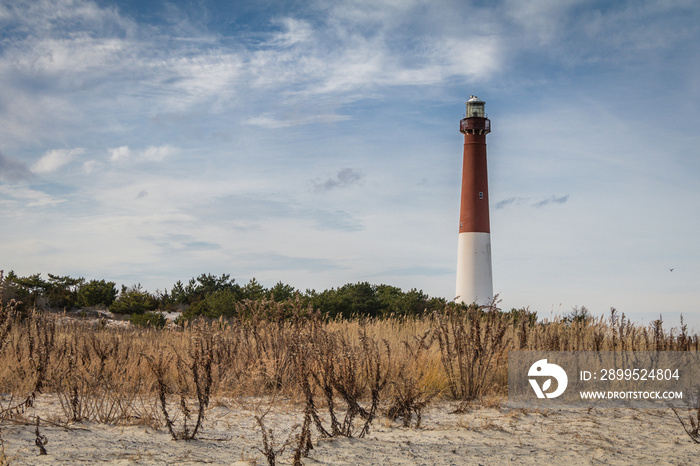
x=481, y=436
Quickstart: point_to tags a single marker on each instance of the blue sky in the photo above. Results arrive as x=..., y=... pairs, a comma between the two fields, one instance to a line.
x=318, y=144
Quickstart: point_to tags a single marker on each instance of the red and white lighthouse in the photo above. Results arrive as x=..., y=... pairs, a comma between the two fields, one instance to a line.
x=474, y=275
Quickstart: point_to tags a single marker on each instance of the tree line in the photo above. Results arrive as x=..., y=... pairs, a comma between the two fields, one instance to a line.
x=212, y=296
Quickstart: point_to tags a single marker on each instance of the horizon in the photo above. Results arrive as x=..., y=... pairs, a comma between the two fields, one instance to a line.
x=319, y=145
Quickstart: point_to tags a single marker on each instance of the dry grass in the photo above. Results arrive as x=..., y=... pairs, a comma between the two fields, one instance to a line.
x=104, y=374
x=344, y=373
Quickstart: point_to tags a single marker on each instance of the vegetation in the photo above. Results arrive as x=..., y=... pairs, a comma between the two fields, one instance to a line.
x=348, y=355
x=134, y=301
x=214, y=296
x=96, y=293
x=149, y=319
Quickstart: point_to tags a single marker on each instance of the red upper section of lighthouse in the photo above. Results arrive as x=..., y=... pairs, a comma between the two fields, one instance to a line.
x=474, y=208
x=475, y=125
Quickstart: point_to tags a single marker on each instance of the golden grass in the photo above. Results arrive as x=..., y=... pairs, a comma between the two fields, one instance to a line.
x=254, y=358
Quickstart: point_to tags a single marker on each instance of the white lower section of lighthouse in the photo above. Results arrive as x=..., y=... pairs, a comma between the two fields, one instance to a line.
x=474, y=275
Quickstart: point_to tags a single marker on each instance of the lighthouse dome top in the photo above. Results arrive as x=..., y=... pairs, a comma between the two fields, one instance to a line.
x=475, y=107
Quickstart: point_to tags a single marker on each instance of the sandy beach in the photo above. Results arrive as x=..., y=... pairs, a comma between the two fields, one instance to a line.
x=484, y=435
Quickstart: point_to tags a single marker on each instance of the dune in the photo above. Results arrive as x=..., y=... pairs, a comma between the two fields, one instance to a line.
x=484, y=435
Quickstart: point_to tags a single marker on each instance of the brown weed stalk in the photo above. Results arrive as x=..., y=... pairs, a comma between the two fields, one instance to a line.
x=472, y=341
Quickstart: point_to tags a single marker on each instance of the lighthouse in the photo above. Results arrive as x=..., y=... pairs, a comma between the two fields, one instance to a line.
x=474, y=275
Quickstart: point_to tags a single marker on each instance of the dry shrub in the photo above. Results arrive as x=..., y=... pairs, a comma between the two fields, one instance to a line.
x=95, y=374
x=410, y=391
x=472, y=342
x=341, y=370
x=692, y=427
x=272, y=451
x=37, y=334
x=40, y=439
x=194, y=379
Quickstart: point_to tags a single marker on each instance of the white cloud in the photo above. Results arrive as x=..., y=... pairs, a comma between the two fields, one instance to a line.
x=374, y=12
x=69, y=58
x=65, y=17
x=338, y=56
x=541, y=19
x=149, y=154
x=295, y=31
x=119, y=154
x=19, y=197
x=157, y=153
x=55, y=159
x=89, y=166
x=192, y=79
x=475, y=57
x=272, y=122
x=356, y=49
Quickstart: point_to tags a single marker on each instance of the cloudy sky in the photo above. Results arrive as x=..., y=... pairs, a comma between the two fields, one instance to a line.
x=317, y=143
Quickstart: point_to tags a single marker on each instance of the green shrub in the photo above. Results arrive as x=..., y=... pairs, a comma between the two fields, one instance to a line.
x=253, y=290
x=133, y=301
x=281, y=292
x=61, y=292
x=96, y=293
x=149, y=319
x=198, y=288
x=578, y=315
x=27, y=290
x=216, y=304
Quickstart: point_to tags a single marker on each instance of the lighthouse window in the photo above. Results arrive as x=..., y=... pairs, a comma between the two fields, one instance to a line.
x=481, y=195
